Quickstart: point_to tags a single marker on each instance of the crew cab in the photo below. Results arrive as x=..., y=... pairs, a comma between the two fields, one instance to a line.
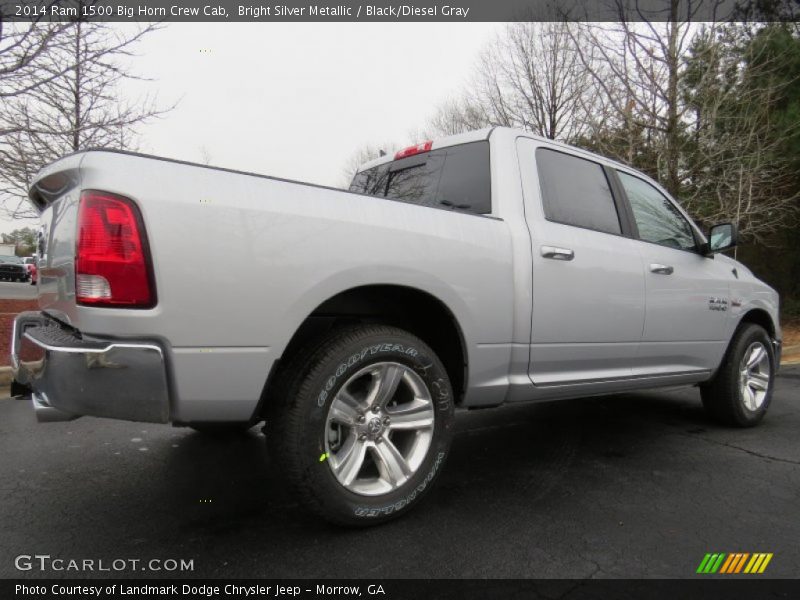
x=473, y=271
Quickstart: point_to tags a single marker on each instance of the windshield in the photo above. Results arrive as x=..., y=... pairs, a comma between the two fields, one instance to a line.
x=11, y=259
x=455, y=178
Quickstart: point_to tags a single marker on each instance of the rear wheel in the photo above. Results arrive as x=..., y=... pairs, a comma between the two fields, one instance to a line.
x=741, y=391
x=362, y=423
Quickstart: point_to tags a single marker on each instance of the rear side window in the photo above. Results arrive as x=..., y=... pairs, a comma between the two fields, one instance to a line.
x=455, y=178
x=575, y=191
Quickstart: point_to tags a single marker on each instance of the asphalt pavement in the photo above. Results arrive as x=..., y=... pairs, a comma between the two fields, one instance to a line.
x=635, y=485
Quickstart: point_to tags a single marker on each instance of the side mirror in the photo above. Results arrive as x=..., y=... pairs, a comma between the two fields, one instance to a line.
x=722, y=236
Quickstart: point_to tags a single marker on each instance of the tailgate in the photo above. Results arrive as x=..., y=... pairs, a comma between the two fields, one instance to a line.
x=55, y=193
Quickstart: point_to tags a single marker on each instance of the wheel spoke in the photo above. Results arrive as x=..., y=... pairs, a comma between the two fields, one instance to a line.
x=385, y=381
x=344, y=409
x=756, y=356
x=759, y=382
x=392, y=465
x=347, y=462
x=413, y=415
x=750, y=398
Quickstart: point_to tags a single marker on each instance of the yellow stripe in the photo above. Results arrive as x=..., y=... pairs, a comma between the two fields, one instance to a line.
x=761, y=556
x=728, y=561
x=752, y=563
x=765, y=563
x=741, y=562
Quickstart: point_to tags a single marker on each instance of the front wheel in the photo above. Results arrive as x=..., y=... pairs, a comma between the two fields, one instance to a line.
x=741, y=391
x=362, y=424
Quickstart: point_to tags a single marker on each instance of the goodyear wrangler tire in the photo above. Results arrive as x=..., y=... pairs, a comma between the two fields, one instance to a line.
x=362, y=424
x=741, y=391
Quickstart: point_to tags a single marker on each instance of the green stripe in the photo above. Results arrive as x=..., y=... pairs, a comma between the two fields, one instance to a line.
x=710, y=563
x=718, y=564
x=702, y=566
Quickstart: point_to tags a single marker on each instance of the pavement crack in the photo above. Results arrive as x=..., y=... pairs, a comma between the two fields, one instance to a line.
x=745, y=450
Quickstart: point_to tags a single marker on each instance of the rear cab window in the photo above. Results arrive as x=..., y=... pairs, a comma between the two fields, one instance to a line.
x=452, y=178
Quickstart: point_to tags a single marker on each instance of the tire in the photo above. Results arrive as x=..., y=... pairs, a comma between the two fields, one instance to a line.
x=221, y=429
x=741, y=391
x=319, y=448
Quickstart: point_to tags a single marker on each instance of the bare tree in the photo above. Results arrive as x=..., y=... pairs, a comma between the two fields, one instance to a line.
x=24, y=47
x=71, y=108
x=739, y=168
x=530, y=76
x=638, y=68
x=456, y=116
x=205, y=155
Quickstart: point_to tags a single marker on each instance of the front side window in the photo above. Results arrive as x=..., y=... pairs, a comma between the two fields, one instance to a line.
x=657, y=219
x=575, y=191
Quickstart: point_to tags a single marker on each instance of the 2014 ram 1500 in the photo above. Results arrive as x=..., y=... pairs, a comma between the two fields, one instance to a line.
x=481, y=269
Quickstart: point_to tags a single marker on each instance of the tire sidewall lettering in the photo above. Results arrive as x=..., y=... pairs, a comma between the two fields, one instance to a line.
x=366, y=511
x=344, y=367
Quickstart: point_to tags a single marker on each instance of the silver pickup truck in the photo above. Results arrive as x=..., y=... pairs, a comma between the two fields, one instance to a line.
x=481, y=269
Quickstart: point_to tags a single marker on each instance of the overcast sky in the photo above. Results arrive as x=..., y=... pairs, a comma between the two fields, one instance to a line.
x=296, y=100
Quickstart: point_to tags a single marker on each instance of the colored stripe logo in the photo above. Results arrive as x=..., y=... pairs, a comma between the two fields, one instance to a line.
x=735, y=562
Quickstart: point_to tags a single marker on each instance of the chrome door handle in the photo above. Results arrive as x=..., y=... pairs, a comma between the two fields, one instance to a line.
x=661, y=269
x=557, y=253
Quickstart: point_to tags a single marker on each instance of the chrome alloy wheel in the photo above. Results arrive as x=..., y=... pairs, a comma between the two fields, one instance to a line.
x=754, y=376
x=379, y=428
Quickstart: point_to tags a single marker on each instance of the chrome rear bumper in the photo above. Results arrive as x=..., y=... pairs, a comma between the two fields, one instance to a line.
x=73, y=375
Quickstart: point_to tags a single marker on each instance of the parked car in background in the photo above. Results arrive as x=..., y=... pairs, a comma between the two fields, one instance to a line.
x=482, y=269
x=12, y=268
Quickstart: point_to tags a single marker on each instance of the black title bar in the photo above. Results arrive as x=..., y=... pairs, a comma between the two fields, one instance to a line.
x=707, y=588
x=384, y=10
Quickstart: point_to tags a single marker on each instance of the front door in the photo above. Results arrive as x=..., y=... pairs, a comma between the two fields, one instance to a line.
x=687, y=294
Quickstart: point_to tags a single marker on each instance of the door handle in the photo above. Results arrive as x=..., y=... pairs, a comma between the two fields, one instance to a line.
x=661, y=269
x=557, y=253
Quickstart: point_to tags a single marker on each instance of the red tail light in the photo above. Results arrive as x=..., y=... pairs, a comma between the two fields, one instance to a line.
x=412, y=150
x=112, y=260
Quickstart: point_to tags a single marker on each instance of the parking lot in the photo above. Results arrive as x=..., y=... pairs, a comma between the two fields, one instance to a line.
x=15, y=290
x=639, y=485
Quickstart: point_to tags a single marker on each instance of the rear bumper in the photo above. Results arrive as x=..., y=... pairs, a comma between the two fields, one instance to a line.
x=74, y=375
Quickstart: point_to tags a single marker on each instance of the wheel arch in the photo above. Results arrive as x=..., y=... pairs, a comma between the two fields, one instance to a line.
x=417, y=311
x=761, y=317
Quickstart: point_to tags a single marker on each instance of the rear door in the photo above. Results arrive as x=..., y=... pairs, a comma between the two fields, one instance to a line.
x=687, y=294
x=588, y=283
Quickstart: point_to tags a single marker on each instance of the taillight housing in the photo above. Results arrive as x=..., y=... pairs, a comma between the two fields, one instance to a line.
x=112, y=258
